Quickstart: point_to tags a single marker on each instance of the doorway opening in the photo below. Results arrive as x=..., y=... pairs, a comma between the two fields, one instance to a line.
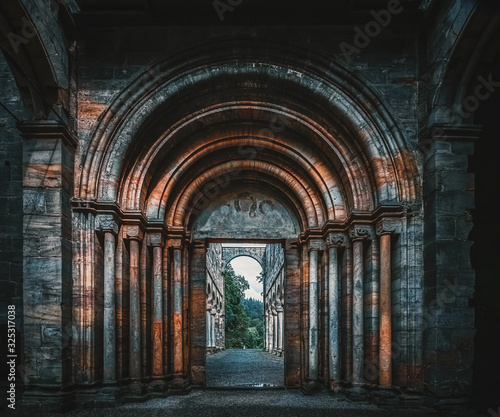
x=244, y=341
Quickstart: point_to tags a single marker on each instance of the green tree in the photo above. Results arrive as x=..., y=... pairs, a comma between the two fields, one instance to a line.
x=237, y=320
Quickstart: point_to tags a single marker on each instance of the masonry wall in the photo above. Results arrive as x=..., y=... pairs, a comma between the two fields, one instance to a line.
x=11, y=211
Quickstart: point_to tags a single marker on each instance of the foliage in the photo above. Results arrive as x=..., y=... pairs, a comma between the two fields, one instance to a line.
x=244, y=323
x=236, y=318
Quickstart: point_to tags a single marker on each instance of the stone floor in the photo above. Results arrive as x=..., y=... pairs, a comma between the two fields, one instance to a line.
x=245, y=368
x=235, y=378
x=250, y=403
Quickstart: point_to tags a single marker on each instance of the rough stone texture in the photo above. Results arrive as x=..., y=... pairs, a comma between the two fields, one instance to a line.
x=308, y=142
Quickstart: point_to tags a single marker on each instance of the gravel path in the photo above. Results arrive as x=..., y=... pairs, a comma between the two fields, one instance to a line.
x=245, y=368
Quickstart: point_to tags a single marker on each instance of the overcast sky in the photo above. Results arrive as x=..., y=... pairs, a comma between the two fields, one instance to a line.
x=249, y=268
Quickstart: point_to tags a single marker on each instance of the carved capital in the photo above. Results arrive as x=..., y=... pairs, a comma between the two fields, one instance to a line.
x=155, y=239
x=315, y=244
x=106, y=223
x=175, y=243
x=336, y=240
x=359, y=232
x=132, y=232
x=389, y=226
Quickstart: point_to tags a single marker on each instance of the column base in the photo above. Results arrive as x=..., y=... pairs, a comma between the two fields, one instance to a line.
x=357, y=393
x=310, y=387
x=335, y=387
x=157, y=385
x=135, y=390
x=108, y=396
x=179, y=386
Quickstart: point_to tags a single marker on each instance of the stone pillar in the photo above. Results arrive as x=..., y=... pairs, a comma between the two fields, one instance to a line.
x=213, y=312
x=208, y=329
x=279, y=310
x=292, y=331
x=108, y=227
x=177, y=310
x=358, y=234
x=48, y=172
x=270, y=325
x=134, y=234
x=156, y=240
x=334, y=242
x=198, y=313
x=313, y=312
x=166, y=302
x=448, y=192
x=179, y=385
x=266, y=329
x=275, y=330
x=385, y=229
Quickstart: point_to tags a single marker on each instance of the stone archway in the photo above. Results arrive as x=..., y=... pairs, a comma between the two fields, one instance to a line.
x=330, y=169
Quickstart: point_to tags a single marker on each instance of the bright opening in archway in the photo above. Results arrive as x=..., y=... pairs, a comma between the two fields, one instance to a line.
x=251, y=270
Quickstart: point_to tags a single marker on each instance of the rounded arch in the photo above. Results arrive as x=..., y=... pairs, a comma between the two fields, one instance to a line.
x=248, y=255
x=350, y=156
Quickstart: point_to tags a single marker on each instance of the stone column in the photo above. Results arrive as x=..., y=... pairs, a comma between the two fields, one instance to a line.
x=313, y=310
x=156, y=240
x=48, y=172
x=385, y=229
x=270, y=324
x=180, y=384
x=334, y=242
x=275, y=330
x=279, y=310
x=134, y=234
x=208, y=329
x=166, y=301
x=213, y=312
x=266, y=330
x=178, y=348
x=106, y=224
x=358, y=234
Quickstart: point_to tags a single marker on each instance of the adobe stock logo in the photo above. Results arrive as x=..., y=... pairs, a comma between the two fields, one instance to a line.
x=363, y=36
x=222, y=7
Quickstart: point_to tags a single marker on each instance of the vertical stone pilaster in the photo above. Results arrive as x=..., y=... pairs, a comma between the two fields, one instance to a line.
x=156, y=240
x=385, y=229
x=448, y=189
x=314, y=248
x=177, y=311
x=180, y=383
x=292, y=316
x=166, y=306
x=334, y=242
x=134, y=234
x=358, y=234
x=279, y=310
x=198, y=324
x=109, y=228
x=48, y=165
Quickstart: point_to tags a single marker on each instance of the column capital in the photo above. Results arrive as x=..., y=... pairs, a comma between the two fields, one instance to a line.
x=175, y=243
x=389, y=226
x=315, y=245
x=133, y=232
x=106, y=223
x=336, y=240
x=360, y=232
x=155, y=239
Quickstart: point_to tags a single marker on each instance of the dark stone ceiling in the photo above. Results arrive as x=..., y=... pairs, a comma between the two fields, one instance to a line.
x=253, y=12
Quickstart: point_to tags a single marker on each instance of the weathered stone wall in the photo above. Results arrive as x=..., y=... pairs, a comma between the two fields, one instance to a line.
x=11, y=212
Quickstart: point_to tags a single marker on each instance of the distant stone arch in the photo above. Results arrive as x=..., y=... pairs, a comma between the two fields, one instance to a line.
x=257, y=253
